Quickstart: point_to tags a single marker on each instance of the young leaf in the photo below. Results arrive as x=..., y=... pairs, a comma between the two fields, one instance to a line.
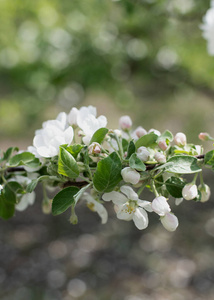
x=166, y=136
x=136, y=163
x=146, y=140
x=10, y=190
x=24, y=158
x=74, y=150
x=174, y=186
x=182, y=164
x=63, y=200
x=131, y=149
x=108, y=173
x=8, y=153
x=67, y=165
x=99, y=135
x=209, y=158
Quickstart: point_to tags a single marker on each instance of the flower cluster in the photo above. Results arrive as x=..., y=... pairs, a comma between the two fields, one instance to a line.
x=78, y=159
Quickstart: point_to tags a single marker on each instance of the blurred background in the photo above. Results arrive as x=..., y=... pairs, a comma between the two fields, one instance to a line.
x=145, y=58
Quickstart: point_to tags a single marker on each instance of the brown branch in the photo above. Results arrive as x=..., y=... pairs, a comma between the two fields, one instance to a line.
x=78, y=184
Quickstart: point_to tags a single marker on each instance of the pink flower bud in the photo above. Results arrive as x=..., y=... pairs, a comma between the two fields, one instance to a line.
x=180, y=139
x=160, y=206
x=94, y=148
x=143, y=153
x=125, y=123
x=203, y=136
x=162, y=145
x=189, y=191
x=160, y=157
x=130, y=175
x=205, y=192
x=169, y=221
x=140, y=131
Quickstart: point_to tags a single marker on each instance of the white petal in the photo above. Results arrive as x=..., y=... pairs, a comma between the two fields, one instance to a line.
x=27, y=199
x=123, y=212
x=140, y=218
x=38, y=141
x=145, y=204
x=170, y=222
x=62, y=118
x=116, y=197
x=129, y=192
x=68, y=135
x=102, y=212
x=160, y=206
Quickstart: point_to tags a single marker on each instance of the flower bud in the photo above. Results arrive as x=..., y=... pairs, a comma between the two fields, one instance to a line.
x=160, y=206
x=162, y=145
x=140, y=131
x=125, y=122
x=72, y=116
x=94, y=148
x=169, y=221
x=130, y=175
x=46, y=206
x=205, y=192
x=178, y=201
x=118, y=132
x=143, y=154
x=204, y=136
x=180, y=139
x=189, y=191
x=160, y=157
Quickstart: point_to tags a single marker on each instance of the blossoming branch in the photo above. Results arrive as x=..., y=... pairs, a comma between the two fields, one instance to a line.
x=78, y=158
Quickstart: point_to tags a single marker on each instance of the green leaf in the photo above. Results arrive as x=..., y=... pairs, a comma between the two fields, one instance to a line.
x=166, y=136
x=67, y=165
x=8, y=153
x=209, y=158
x=63, y=200
x=125, y=145
x=10, y=191
x=74, y=150
x=131, y=149
x=182, y=164
x=81, y=191
x=108, y=173
x=24, y=158
x=32, y=185
x=136, y=163
x=174, y=186
x=7, y=209
x=147, y=140
x=99, y=136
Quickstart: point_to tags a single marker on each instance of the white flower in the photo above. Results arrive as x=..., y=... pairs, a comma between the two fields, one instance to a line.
x=143, y=154
x=180, y=139
x=125, y=122
x=169, y=221
x=26, y=200
x=205, y=192
x=189, y=191
x=96, y=206
x=160, y=157
x=87, y=121
x=160, y=206
x=129, y=207
x=94, y=148
x=72, y=116
x=130, y=175
x=208, y=28
x=53, y=134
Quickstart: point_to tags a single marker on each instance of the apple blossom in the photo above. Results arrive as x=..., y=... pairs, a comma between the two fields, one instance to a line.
x=189, y=191
x=180, y=139
x=53, y=134
x=130, y=175
x=125, y=123
x=205, y=192
x=129, y=206
x=94, y=148
x=204, y=136
x=25, y=201
x=162, y=144
x=169, y=221
x=96, y=206
x=143, y=154
x=139, y=132
x=160, y=157
x=160, y=206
